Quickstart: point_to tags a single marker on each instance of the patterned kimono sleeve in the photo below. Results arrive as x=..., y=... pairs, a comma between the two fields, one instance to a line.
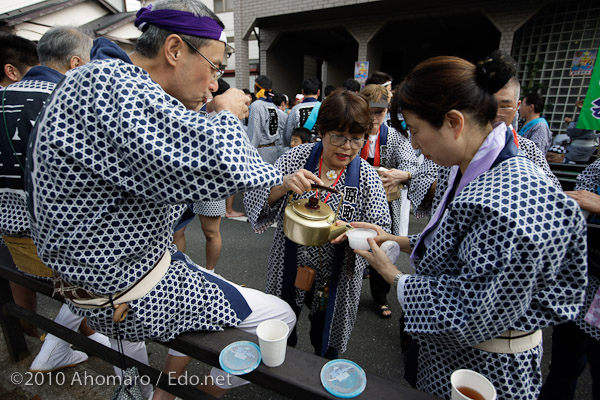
x=589, y=179
x=540, y=134
x=535, y=154
x=402, y=156
x=419, y=186
x=507, y=275
x=412, y=240
x=256, y=121
x=375, y=206
x=135, y=136
x=260, y=215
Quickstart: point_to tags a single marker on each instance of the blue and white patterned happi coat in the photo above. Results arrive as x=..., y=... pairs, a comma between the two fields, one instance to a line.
x=589, y=180
x=400, y=155
x=114, y=162
x=509, y=253
x=371, y=206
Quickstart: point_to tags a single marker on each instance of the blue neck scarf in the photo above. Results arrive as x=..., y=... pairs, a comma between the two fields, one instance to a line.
x=383, y=134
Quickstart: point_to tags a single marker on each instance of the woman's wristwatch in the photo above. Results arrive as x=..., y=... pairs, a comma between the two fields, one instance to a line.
x=397, y=278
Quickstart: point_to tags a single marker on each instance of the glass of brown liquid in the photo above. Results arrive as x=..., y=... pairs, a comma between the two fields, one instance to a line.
x=470, y=393
x=470, y=385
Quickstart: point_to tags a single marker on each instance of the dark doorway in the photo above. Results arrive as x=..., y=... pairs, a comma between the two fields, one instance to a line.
x=405, y=43
x=286, y=57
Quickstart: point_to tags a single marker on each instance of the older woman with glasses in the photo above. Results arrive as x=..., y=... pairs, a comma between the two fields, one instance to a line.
x=344, y=122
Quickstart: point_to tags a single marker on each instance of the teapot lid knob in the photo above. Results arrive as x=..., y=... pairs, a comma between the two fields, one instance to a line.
x=312, y=204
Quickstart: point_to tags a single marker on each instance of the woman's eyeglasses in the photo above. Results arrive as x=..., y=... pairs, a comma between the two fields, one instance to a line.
x=339, y=141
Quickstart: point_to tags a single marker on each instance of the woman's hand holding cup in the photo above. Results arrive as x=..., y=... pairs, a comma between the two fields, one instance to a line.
x=382, y=235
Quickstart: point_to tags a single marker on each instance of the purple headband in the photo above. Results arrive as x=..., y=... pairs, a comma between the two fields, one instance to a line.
x=180, y=22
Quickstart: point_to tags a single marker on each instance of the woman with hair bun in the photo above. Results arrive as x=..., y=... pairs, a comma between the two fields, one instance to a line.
x=504, y=255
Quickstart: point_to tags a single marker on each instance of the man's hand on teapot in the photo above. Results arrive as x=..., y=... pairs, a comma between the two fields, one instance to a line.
x=300, y=181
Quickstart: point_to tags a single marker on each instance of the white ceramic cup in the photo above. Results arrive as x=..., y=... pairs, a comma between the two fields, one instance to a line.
x=462, y=378
x=357, y=238
x=272, y=339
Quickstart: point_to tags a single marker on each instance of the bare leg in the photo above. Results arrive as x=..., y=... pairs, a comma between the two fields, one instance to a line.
x=210, y=227
x=229, y=212
x=179, y=239
x=25, y=298
x=229, y=204
x=174, y=367
x=85, y=329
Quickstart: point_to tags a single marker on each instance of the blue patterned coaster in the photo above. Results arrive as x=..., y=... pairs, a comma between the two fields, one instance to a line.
x=343, y=378
x=239, y=358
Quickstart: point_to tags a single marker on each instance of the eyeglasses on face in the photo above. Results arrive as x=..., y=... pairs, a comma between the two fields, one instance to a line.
x=217, y=73
x=505, y=110
x=339, y=141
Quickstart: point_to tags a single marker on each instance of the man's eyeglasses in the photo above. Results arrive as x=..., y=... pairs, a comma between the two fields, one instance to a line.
x=506, y=110
x=217, y=73
x=339, y=141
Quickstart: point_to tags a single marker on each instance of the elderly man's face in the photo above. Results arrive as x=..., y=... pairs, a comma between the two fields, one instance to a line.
x=508, y=105
x=196, y=78
x=526, y=110
x=554, y=157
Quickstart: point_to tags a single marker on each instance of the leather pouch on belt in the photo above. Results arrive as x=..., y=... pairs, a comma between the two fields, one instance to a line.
x=305, y=277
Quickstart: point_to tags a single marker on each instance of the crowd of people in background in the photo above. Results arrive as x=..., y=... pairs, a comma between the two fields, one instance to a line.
x=503, y=256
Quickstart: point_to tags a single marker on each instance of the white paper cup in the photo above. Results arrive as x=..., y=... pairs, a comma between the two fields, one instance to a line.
x=357, y=238
x=272, y=339
x=465, y=378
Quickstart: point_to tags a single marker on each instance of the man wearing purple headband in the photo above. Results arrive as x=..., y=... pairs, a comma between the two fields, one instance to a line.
x=122, y=132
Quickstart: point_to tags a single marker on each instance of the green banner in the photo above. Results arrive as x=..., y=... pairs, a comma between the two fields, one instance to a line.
x=590, y=113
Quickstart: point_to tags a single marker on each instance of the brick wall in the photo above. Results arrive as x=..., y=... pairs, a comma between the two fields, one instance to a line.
x=507, y=17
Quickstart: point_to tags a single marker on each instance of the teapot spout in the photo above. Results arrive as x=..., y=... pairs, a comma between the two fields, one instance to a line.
x=338, y=230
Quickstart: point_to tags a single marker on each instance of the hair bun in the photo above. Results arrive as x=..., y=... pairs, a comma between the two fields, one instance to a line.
x=493, y=72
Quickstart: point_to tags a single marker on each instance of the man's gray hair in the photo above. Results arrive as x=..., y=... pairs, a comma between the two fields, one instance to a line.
x=150, y=42
x=61, y=43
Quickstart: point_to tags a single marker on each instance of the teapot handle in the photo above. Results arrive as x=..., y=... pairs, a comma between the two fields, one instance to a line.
x=332, y=190
x=321, y=187
x=327, y=188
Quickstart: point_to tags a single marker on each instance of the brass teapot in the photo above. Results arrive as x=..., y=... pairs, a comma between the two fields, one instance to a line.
x=311, y=222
